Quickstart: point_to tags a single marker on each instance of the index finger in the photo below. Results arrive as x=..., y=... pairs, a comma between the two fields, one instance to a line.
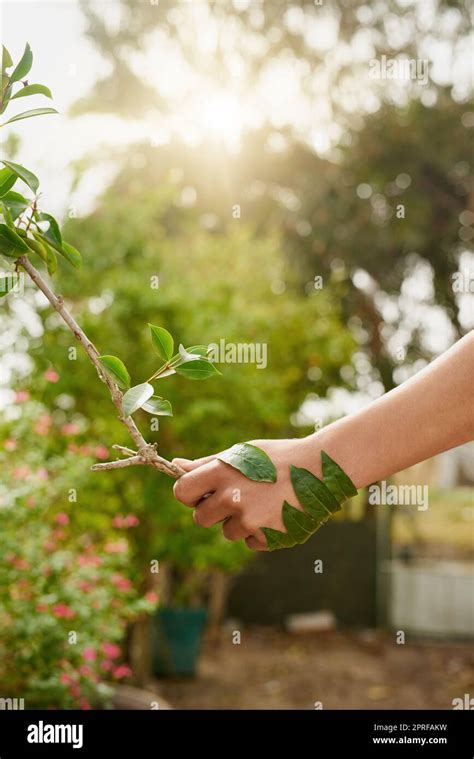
x=194, y=485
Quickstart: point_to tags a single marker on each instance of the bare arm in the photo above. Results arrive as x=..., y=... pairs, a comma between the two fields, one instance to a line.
x=428, y=414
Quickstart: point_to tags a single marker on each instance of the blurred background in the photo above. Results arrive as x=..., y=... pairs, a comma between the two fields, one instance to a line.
x=256, y=172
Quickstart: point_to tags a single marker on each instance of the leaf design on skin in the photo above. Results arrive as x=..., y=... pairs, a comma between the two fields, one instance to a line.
x=251, y=461
x=318, y=498
x=336, y=479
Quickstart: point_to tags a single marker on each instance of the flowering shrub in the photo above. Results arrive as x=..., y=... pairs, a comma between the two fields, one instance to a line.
x=65, y=592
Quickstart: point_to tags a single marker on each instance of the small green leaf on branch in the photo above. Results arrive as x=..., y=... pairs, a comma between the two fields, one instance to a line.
x=136, y=397
x=117, y=370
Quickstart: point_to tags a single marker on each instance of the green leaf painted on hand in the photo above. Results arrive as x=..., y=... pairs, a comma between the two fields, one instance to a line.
x=22, y=68
x=277, y=539
x=319, y=500
x=136, y=397
x=117, y=370
x=200, y=369
x=25, y=175
x=32, y=89
x=11, y=244
x=313, y=494
x=162, y=342
x=30, y=114
x=340, y=485
x=251, y=461
x=299, y=525
x=158, y=406
x=7, y=180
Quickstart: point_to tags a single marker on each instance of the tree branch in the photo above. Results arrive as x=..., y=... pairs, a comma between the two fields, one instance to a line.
x=146, y=453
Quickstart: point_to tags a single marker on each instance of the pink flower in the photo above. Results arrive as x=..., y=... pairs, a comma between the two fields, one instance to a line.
x=101, y=452
x=119, y=546
x=62, y=519
x=51, y=375
x=151, y=596
x=111, y=650
x=85, y=586
x=84, y=704
x=89, y=654
x=63, y=612
x=70, y=428
x=85, y=671
x=90, y=561
x=42, y=425
x=42, y=474
x=106, y=665
x=21, y=396
x=10, y=444
x=122, y=671
x=131, y=520
x=41, y=608
x=65, y=679
x=121, y=582
x=21, y=564
x=74, y=690
x=21, y=472
x=58, y=534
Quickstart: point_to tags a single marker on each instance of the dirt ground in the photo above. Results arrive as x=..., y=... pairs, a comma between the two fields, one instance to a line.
x=271, y=669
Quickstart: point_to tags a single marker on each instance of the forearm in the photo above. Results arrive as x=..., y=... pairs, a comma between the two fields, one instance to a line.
x=428, y=414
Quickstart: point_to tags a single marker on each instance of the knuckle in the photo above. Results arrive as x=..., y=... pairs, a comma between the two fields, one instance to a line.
x=200, y=517
x=248, y=526
x=229, y=532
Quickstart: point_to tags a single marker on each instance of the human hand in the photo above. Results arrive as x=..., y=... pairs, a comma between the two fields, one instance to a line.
x=220, y=493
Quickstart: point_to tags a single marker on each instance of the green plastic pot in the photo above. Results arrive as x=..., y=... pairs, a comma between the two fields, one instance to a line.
x=176, y=641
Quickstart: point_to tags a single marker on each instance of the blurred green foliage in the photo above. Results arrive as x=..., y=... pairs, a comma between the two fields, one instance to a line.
x=211, y=286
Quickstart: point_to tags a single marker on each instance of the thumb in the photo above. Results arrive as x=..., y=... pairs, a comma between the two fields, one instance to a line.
x=188, y=465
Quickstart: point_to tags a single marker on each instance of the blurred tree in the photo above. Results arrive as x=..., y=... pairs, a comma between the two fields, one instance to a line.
x=391, y=145
x=233, y=286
